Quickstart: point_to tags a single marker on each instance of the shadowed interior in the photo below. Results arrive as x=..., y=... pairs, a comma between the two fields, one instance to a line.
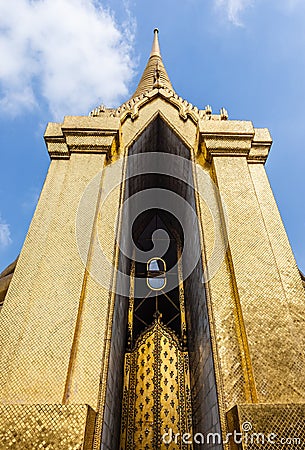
x=158, y=137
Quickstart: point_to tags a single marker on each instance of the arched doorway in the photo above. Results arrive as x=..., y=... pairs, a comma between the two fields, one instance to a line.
x=156, y=394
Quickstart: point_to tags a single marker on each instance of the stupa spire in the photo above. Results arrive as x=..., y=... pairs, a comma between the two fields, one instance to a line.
x=155, y=51
x=154, y=75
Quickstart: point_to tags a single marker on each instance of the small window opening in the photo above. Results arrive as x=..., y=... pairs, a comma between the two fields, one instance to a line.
x=156, y=279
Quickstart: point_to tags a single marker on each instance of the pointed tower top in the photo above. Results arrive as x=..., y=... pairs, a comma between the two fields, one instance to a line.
x=154, y=75
x=155, y=51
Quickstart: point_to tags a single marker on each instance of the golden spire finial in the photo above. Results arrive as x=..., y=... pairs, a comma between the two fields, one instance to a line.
x=155, y=51
x=154, y=75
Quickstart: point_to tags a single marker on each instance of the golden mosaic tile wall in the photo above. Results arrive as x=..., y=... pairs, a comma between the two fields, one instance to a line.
x=186, y=129
x=55, y=326
x=223, y=314
x=48, y=427
x=285, y=261
x=39, y=323
x=268, y=427
x=272, y=338
x=96, y=298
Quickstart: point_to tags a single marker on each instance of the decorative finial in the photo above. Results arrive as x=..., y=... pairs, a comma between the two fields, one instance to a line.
x=224, y=114
x=155, y=51
x=158, y=316
x=154, y=75
x=157, y=82
x=208, y=110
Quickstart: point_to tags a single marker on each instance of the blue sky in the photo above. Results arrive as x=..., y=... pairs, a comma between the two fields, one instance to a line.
x=67, y=56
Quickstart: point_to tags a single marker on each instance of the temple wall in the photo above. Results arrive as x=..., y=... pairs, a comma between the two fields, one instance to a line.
x=28, y=427
x=222, y=311
x=63, y=328
x=40, y=319
x=273, y=341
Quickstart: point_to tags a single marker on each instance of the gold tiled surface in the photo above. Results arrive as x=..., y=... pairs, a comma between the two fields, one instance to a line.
x=268, y=427
x=58, y=149
x=19, y=302
x=224, y=320
x=49, y=427
x=269, y=328
x=53, y=130
x=235, y=128
x=89, y=141
x=147, y=80
x=102, y=122
x=286, y=264
x=261, y=145
x=55, y=318
x=108, y=230
x=186, y=130
x=225, y=137
x=39, y=318
x=95, y=313
x=186, y=109
x=85, y=379
x=81, y=134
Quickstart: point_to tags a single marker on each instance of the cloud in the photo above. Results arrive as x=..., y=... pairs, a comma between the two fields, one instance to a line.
x=69, y=53
x=5, y=234
x=233, y=9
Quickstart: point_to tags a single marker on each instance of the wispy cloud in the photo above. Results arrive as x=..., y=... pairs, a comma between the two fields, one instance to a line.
x=70, y=52
x=233, y=9
x=5, y=234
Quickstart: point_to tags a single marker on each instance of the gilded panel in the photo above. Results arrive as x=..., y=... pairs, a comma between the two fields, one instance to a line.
x=50, y=427
x=186, y=129
x=38, y=321
x=221, y=296
x=267, y=427
x=284, y=258
x=156, y=397
x=273, y=360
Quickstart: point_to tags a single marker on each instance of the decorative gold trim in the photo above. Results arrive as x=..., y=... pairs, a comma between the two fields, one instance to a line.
x=181, y=295
x=131, y=303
